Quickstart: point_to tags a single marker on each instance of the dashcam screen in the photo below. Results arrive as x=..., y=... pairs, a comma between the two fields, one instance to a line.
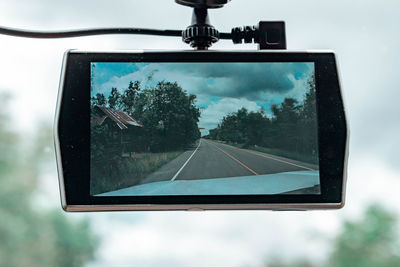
x=203, y=129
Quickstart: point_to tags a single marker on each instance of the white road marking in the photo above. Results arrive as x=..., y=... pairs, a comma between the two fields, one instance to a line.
x=269, y=157
x=265, y=156
x=183, y=166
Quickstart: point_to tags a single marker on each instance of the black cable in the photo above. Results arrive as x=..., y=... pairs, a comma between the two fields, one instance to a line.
x=88, y=32
x=100, y=31
x=225, y=35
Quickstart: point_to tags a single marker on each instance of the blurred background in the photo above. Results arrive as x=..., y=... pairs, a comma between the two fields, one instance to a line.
x=35, y=232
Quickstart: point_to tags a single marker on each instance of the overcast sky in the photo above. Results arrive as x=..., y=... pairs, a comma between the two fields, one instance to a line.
x=220, y=88
x=365, y=36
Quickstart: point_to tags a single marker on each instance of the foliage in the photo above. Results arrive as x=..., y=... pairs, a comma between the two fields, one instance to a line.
x=29, y=237
x=117, y=172
x=98, y=100
x=292, y=128
x=168, y=113
x=170, y=119
x=242, y=127
x=129, y=97
x=114, y=100
x=372, y=241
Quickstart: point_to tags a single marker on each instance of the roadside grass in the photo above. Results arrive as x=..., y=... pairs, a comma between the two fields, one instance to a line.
x=121, y=172
x=277, y=152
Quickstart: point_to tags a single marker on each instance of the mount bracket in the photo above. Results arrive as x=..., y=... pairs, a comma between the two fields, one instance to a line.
x=201, y=34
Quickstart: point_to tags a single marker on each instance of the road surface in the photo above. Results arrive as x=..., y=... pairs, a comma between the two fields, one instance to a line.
x=212, y=159
x=214, y=168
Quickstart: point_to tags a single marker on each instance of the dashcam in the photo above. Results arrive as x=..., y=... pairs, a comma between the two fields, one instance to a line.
x=201, y=130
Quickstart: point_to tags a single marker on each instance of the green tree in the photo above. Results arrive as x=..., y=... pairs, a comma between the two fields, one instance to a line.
x=372, y=241
x=28, y=236
x=309, y=107
x=170, y=117
x=287, y=111
x=129, y=97
x=292, y=131
x=114, y=100
x=98, y=100
x=242, y=127
x=308, y=120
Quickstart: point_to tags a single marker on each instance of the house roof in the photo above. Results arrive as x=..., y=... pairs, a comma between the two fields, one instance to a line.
x=122, y=119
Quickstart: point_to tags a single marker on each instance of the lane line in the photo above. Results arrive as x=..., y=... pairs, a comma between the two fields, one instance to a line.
x=280, y=160
x=238, y=161
x=183, y=166
x=269, y=157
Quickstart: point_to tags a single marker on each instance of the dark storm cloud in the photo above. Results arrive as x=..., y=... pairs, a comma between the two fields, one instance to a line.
x=244, y=79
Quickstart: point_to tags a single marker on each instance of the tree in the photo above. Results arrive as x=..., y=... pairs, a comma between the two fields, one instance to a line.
x=242, y=127
x=170, y=117
x=129, y=97
x=292, y=130
x=99, y=100
x=372, y=241
x=309, y=108
x=114, y=100
x=308, y=120
x=29, y=236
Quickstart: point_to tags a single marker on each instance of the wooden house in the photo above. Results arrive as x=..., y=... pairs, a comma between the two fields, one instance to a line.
x=121, y=133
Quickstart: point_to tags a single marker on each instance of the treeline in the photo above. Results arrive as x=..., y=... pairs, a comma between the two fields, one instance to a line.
x=292, y=128
x=168, y=113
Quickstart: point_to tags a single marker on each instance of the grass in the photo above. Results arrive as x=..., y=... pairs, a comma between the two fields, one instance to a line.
x=277, y=152
x=121, y=172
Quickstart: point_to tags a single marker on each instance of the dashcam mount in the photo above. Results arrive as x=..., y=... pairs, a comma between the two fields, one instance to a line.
x=201, y=34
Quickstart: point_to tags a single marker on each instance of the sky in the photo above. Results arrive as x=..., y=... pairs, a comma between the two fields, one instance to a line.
x=220, y=88
x=364, y=35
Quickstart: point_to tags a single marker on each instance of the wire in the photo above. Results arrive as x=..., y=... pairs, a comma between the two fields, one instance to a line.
x=225, y=36
x=87, y=32
x=100, y=31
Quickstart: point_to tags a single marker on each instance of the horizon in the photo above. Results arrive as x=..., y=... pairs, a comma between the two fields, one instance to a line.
x=220, y=88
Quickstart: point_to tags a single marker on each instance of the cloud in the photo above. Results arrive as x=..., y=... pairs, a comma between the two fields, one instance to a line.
x=240, y=80
x=249, y=85
x=214, y=113
x=245, y=79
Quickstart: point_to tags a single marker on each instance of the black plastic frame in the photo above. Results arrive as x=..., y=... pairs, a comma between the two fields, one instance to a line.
x=74, y=131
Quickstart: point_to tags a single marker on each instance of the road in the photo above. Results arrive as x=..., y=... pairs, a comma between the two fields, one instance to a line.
x=239, y=171
x=212, y=159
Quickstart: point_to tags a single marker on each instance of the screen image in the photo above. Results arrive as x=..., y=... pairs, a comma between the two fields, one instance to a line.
x=203, y=128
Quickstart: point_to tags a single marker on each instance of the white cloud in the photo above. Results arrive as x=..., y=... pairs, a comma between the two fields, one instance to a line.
x=213, y=114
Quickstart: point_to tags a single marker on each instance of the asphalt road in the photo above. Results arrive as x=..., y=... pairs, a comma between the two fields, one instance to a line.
x=210, y=159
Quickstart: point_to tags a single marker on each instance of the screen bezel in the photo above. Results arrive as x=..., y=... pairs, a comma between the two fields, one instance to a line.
x=73, y=132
